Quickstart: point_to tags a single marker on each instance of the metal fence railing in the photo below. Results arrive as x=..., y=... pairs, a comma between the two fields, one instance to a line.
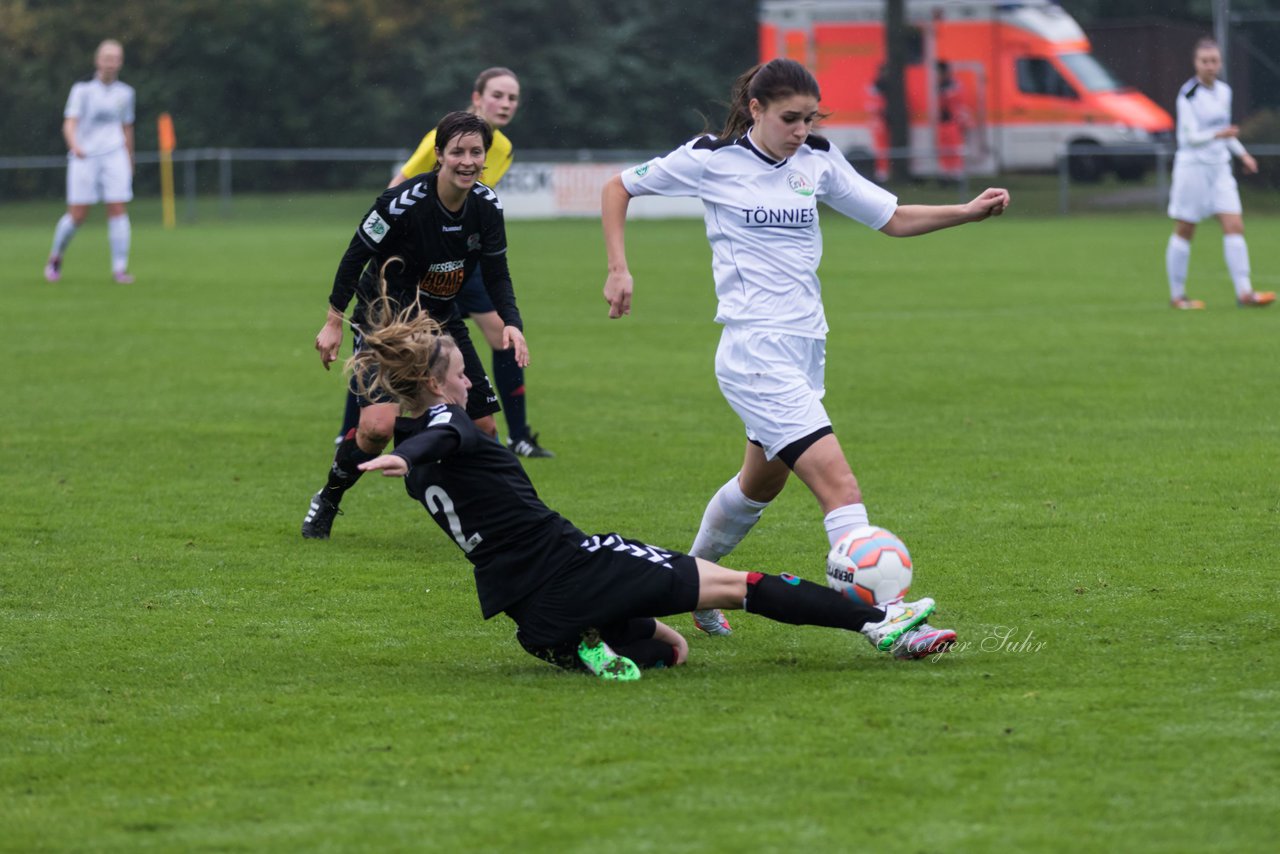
x=1073, y=171
x=191, y=166
x=1079, y=171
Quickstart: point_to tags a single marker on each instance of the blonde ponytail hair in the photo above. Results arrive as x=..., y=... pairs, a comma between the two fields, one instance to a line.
x=402, y=348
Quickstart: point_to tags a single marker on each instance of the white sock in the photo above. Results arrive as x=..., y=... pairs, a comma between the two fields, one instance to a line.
x=1177, y=255
x=62, y=234
x=844, y=519
x=727, y=519
x=118, y=235
x=1236, y=251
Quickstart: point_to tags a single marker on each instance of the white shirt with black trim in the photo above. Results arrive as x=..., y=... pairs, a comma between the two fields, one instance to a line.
x=1202, y=112
x=762, y=222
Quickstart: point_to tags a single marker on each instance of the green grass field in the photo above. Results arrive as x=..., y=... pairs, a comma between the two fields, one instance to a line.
x=1088, y=482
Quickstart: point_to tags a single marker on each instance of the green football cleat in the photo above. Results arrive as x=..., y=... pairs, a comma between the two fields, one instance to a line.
x=603, y=662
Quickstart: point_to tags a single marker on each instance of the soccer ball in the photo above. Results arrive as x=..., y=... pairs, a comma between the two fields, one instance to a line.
x=871, y=564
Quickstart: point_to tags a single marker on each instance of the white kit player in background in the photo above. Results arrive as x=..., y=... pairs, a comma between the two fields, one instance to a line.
x=760, y=182
x=98, y=128
x=1203, y=185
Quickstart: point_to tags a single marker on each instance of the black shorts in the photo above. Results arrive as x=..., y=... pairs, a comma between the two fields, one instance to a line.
x=482, y=400
x=472, y=298
x=613, y=581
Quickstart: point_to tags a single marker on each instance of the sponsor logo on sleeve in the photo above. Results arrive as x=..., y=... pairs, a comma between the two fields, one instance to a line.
x=440, y=418
x=641, y=170
x=375, y=227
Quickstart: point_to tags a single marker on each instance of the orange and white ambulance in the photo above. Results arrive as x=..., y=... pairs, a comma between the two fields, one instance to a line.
x=1009, y=84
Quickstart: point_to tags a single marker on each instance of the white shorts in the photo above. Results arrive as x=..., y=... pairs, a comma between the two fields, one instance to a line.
x=100, y=178
x=774, y=382
x=1202, y=190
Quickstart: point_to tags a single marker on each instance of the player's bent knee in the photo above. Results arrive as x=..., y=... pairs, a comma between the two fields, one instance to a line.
x=373, y=439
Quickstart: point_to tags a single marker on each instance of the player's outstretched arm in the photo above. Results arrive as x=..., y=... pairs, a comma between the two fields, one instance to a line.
x=389, y=464
x=913, y=220
x=614, y=200
x=992, y=202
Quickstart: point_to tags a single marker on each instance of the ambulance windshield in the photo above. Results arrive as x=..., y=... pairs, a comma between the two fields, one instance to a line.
x=1091, y=73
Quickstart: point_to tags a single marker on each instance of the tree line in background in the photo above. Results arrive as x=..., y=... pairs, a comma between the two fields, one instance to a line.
x=632, y=74
x=378, y=73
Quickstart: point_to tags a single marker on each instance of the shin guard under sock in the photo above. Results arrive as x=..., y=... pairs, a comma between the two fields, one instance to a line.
x=730, y=516
x=345, y=470
x=509, y=379
x=793, y=600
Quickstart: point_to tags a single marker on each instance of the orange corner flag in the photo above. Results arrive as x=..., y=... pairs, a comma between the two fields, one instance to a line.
x=164, y=127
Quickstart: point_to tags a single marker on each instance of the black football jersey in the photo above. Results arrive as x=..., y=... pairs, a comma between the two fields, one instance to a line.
x=478, y=493
x=427, y=251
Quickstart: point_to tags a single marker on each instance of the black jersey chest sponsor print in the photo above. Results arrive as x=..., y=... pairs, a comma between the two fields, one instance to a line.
x=443, y=279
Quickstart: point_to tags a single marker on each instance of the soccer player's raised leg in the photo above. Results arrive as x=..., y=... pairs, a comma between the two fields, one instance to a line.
x=893, y=628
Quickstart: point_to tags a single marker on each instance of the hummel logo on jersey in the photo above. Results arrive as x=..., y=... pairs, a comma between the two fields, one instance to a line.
x=613, y=542
x=448, y=228
x=799, y=183
x=408, y=199
x=375, y=227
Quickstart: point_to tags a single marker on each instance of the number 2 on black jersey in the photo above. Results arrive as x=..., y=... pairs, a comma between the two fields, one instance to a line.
x=438, y=501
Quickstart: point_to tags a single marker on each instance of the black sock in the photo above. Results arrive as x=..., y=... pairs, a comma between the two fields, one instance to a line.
x=634, y=639
x=648, y=653
x=509, y=378
x=345, y=469
x=793, y=600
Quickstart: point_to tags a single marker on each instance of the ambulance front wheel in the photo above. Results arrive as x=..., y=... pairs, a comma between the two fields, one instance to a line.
x=1132, y=167
x=1083, y=165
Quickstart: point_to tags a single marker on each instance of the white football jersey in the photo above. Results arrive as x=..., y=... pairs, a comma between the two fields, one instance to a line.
x=1202, y=112
x=102, y=111
x=762, y=222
